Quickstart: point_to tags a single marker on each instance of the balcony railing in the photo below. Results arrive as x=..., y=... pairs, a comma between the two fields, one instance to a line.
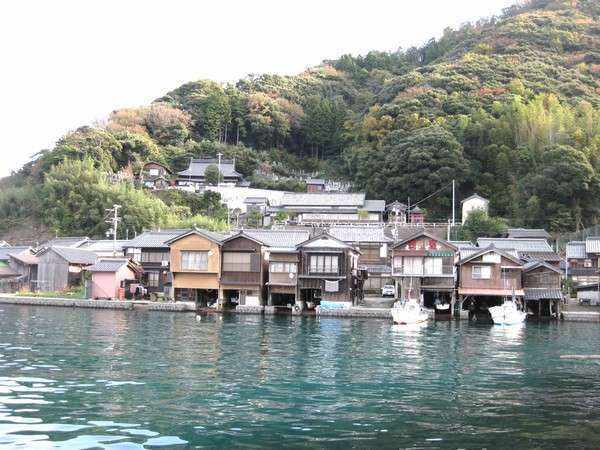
x=403, y=271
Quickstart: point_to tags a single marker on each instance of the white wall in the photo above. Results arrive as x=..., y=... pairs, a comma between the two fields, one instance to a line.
x=234, y=196
x=471, y=205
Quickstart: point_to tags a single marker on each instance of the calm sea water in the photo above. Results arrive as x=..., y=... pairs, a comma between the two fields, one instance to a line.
x=78, y=379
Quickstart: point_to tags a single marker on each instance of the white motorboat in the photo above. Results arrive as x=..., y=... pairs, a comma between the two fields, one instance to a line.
x=507, y=314
x=407, y=312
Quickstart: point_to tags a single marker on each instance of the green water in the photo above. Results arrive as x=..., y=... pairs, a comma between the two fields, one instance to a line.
x=76, y=378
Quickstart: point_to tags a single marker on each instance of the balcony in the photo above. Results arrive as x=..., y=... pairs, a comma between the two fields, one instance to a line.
x=402, y=271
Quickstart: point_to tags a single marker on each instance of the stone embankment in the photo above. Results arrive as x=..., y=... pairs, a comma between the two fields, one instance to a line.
x=67, y=302
x=581, y=316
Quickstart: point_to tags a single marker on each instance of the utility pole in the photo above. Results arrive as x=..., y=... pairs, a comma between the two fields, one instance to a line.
x=453, y=201
x=114, y=221
x=219, y=177
x=408, y=211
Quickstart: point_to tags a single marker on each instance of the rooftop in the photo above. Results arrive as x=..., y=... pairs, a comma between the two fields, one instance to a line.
x=520, y=245
x=154, y=239
x=5, y=251
x=323, y=199
x=103, y=245
x=592, y=244
x=75, y=255
x=108, y=265
x=66, y=241
x=279, y=238
x=520, y=233
x=576, y=249
x=359, y=234
x=197, y=168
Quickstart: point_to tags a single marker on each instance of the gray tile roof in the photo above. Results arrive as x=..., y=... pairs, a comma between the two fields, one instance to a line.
x=538, y=263
x=5, y=251
x=359, y=234
x=108, y=265
x=576, y=250
x=520, y=245
x=103, y=245
x=66, y=241
x=323, y=199
x=197, y=168
x=542, y=293
x=520, y=233
x=279, y=238
x=374, y=205
x=539, y=256
x=463, y=244
x=154, y=239
x=76, y=255
x=506, y=252
x=592, y=244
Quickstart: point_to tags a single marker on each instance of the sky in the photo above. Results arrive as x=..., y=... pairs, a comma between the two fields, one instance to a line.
x=64, y=64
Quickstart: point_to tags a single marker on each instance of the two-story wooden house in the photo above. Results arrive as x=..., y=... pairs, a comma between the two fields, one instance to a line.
x=155, y=175
x=151, y=251
x=542, y=287
x=423, y=268
x=374, y=257
x=487, y=276
x=328, y=273
x=195, y=260
x=582, y=261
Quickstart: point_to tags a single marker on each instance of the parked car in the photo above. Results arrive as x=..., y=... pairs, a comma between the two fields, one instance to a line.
x=388, y=290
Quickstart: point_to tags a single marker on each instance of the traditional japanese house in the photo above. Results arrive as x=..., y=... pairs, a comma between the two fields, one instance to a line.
x=582, y=261
x=151, y=251
x=396, y=212
x=423, y=267
x=528, y=249
x=108, y=277
x=194, y=175
x=328, y=273
x=25, y=263
x=281, y=258
x=315, y=185
x=155, y=175
x=60, y=268
x=528, y=233
x=196, y=266
x=374, y=257
x=487, y=276
x=542, y=287
x=331, y=207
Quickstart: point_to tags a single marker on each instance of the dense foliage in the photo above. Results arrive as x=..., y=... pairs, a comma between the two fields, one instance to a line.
x=509, y=107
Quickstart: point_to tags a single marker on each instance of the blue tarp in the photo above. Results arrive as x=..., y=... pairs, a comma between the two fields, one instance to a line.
x=325, y=304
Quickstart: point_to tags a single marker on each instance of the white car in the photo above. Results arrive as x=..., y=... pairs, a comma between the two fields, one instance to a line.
x=388, y=290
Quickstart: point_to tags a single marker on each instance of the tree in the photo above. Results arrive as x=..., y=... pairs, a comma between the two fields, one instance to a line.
x=479, y=224
x=212, y=175
x=254, y=218
x=420, y=163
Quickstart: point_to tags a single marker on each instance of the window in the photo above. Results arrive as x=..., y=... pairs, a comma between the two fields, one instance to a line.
x=587, y=263
x=153, y=279
x=154, y=257
x=153, y=172
x=482, y=272
x=194, y=260
x=279, y=267
x=413, y=265
x=433, y=266
x=236, y=262
x=323, y=264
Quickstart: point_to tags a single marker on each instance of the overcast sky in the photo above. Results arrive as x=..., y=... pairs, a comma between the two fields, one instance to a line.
x=68, y=63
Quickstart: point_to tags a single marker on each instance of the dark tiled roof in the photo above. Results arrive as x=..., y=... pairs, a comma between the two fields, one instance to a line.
x=279, y=238
x=507, y=253
x=576, y=250
x=25, y=258
x=520, y=233
x=104, y=245
x=543, y=294
x=108, y=265
x=539, y=256
x=539, y=263
x=76, y=255
x=592, y=244
x=359, y=234
x=197, y=168
x=374, y=205
x=5, y=251
x=323, y=199
x=520, y=245
x=66, y=241
x=154, y=239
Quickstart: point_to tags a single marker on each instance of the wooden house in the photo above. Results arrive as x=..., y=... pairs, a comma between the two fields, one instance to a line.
x=25, y=263
x=60, y=268
x=486, y=276
x=194, y=175
x=375, y=251
x=155, y=176
x=423, y=267
x=527, y=249
x=151, y=251
x=195, y=261
x=315, y=185
x=542, y=287
x=328, y=273
x=582, y=261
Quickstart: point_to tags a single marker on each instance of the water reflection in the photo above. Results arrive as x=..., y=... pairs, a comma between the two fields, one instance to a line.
x=170, y=381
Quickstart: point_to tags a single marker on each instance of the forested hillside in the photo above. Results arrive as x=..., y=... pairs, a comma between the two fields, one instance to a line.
x=508, y=106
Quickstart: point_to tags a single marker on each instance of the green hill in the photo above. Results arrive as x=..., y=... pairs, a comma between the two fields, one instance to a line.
x=508, y=106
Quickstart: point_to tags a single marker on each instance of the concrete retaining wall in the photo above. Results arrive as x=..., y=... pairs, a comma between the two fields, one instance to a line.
x=580, y=316
x=67, y=302
x=247, y=309
x=172, y=306
x=376, y=313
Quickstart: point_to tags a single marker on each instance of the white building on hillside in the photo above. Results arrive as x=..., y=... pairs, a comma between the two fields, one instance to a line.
x=472, y=203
